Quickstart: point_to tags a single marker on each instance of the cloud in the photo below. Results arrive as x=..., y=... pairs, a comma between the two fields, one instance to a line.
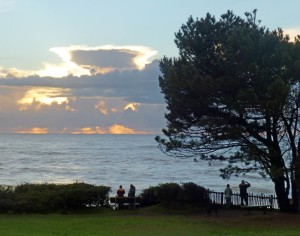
x=34, y=130
x=84, y=60
x=43, y=96
x=292, y=32
x=114, y=129
x=121, y=129
x=101, y=106
x=90, y=130
x=125, y=99
x=133, y=106
x=140, y=86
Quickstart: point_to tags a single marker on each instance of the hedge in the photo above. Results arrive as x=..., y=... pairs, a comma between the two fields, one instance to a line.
x=46, y=198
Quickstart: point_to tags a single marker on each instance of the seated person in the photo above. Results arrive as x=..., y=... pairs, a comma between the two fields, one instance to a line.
x=120, y=192
x=131, y=192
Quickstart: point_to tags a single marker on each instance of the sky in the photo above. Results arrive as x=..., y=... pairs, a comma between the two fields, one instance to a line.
x=92, y=66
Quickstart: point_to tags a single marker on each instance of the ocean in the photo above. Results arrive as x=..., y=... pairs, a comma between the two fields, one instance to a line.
x=109, y=160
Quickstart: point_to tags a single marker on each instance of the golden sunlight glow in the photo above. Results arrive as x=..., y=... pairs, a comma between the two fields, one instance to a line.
x=133, y=106
x=114, y=129
x=35, y=130
x=143, y=57
x=53, y=71
x=110, y=105
x=121, y=129
x=44, y=96
x=68, y=67
x=16, y=73
x=90, y=130
x=101, y=106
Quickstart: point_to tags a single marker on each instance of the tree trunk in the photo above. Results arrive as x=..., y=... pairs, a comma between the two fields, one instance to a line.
x=282, y=196
x=296, y=186
x=295, y=197
x=295, y=177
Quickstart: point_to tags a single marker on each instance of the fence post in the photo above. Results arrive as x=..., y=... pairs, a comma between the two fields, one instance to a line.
x=222, y=199
x=271, y=201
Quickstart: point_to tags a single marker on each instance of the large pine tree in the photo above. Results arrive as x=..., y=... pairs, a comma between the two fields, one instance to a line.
x=233, y=94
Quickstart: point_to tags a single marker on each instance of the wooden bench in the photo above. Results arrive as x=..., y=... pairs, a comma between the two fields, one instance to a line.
x=131, y=202
x=257, y=207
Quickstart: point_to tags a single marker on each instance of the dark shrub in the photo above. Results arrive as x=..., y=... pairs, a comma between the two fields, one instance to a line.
x=163, y=193
x=149, y=196
x=168, y=192
x=35, y=197
x=79, y=195
x=6, y=198
x=194, y=194
x=187, y=193
x=44, y=198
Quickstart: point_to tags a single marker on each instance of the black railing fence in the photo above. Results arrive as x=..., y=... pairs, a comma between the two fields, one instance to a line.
x=253, y=199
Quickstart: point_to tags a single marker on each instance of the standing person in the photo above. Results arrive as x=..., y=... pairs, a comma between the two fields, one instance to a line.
x=120, y=191
x=131, y=191
x=228, y=193
x=243, y=192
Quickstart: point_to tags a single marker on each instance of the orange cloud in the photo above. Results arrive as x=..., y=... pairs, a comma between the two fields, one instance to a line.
x=101, y=106
x=90, y=130
x=114, y=129
x=114, y=105
x=121, y=129
x=133, y=106
x=43, y=96
x=34, y=130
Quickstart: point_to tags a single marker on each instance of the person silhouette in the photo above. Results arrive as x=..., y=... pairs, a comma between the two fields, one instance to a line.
x=131, y=191
x=120, y=191
x=228, y=193
x=243, y=192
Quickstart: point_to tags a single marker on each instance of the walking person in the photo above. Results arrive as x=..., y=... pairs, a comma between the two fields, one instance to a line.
x=228, y=194
x=243, y=192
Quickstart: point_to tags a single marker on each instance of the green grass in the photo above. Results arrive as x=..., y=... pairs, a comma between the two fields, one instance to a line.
x=150, y=222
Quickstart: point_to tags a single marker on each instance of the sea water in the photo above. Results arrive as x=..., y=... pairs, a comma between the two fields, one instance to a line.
x=109, y=160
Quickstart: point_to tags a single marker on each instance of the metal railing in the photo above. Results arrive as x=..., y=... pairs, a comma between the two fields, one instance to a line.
x=253, y=199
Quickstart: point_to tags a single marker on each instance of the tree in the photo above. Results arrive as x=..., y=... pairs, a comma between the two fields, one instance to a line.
x=233, y=94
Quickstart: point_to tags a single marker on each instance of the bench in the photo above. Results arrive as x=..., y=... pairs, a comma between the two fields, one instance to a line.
x=131, y=202
x=257, y=207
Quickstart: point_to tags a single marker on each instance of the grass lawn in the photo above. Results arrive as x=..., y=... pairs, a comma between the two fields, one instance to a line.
x=151, y=222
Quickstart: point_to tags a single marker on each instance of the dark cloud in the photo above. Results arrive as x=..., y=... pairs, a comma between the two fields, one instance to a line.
x=115, y=58
x=136, y=85
x=87, y=95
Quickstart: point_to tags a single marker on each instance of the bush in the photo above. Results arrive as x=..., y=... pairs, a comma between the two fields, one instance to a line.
x=168, y=192
x=187, y=193
x=6, y=198
x=149, y=196
x=46, y=198
x=194, y=194
x=79, y=195
x=35, y=198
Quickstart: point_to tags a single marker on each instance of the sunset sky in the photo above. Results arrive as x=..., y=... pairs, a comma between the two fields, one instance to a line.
x=91, y=66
